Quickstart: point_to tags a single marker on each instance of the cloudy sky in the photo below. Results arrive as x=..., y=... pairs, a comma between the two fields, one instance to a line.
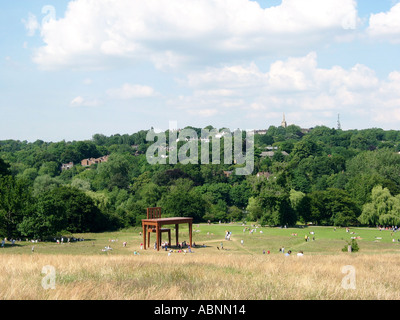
x=70, y=69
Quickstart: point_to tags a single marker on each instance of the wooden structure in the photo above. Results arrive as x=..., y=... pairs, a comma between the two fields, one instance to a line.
x=155, y=213
x=154, y=223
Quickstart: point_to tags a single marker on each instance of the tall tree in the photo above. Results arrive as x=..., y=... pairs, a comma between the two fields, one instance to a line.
x=384, y=209
x=15, y=203
x=4, y=168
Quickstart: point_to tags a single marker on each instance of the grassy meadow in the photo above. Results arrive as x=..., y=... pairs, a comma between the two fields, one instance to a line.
x=83, y=271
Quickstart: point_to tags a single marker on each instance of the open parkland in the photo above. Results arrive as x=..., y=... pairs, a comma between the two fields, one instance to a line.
x=251, y=264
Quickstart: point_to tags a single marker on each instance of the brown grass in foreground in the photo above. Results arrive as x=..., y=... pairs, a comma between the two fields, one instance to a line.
x=192, y=277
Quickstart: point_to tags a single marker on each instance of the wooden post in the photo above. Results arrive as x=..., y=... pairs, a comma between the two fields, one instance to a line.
x=158, y=237
x=144, y=235
x=190, y=233
x=177, y=234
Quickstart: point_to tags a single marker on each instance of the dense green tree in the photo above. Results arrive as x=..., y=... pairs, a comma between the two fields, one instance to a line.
x=131, y=212
x=328, y=171
x=234, y=213
x=382, y=162
x=83, y=185
x=333, y=207
x=263, y=139
x=216, y=191
x=44, y=184
x=296, y=198
x=384, y=209
x=114, y=173
x=276, y=208
x=217, y=211
x=51, y=168
x=167, y=177
x=87, y=149
x=239, y=194
x=302, y=208
x=4, y=168
x=15, y=203
x=150, y=194
x=305, y=148
x=62, y=209
x=181, y=200
x=29, y=174
x=254, y=209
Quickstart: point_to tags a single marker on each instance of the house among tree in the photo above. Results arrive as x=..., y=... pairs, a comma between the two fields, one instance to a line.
x=67, y=166
x=272, y=153
x=228, y=173
x=90, y=161
x=267, y=154
x=263, y=174
x=262, y=131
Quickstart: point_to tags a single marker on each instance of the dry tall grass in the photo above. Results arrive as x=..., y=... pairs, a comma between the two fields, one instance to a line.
x=191, y=276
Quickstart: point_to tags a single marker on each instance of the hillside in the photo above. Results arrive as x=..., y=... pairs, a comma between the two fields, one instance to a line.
x=324, y=176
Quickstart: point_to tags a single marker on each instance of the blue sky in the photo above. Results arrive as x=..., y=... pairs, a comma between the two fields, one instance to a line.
x=70, y=69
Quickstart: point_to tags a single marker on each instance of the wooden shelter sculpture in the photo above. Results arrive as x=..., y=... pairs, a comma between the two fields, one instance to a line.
x=154, y=223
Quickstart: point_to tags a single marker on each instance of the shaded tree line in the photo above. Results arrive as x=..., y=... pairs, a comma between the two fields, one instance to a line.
x=324, y=176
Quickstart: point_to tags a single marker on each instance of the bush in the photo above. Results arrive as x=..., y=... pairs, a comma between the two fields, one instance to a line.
x=354, y=246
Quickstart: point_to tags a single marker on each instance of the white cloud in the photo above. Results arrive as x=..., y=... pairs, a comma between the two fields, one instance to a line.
x=79, y=101
x=386, y=25
x=297, y=86
x=169, y=33
x=292, y=75
x=130, y=91
x=216, y=93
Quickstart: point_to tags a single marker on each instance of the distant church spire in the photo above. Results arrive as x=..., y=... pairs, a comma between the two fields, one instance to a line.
x=284, y=124
x=339, y=126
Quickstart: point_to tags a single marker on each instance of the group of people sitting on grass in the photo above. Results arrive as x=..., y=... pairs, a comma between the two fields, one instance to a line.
x=68, y=240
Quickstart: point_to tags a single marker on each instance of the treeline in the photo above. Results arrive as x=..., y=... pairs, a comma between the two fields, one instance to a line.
x=323, y=175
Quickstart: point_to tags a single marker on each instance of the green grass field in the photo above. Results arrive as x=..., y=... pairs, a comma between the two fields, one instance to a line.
x=208, y=237
x=240, y=271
